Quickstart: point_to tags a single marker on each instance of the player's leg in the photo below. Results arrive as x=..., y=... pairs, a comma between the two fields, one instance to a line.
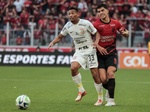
x=103, y=77
x=98, y=85
x=77, y=79
x=76, y=63
x=111, y=85
x=103, y=73
x=93, y=65
x=111, y=64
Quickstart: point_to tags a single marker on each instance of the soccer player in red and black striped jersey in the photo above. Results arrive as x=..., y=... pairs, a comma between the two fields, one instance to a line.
x=107, y=53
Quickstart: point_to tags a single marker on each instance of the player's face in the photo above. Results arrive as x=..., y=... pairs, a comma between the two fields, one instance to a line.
x=102, y=13
x=73, y=15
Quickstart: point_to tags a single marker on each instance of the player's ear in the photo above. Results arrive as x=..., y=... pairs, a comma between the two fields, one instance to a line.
x=107, y=11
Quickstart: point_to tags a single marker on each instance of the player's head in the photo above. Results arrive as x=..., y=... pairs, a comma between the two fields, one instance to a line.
x=102, y=11
x=73, y=14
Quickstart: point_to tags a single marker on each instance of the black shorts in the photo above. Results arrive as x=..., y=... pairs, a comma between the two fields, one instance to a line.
x=107, y=60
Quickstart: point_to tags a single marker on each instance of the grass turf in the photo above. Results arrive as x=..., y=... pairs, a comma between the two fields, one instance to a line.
x=51, y=89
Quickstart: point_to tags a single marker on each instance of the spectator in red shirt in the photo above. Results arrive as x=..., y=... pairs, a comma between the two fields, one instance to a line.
x=148, y=15
x=3, y=3
x=24, y=18
x=27, y=36
x=63, y=8
x=119, y=4
x=7, y=18
x=111, y=8
x=19, y=29
x=3, y=39
x=51, y=3
x=28, y=6
x=61, y=21
x=146, y=28
x=132, y=2
x=44, y=23
x=37, y=36
x=19, y=40
x=52, y=26
x=14, y=20
x=10, y=8
x=90, y=17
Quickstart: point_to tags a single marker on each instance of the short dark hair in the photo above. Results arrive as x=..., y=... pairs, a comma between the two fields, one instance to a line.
x=102, y=5
x=73, y=8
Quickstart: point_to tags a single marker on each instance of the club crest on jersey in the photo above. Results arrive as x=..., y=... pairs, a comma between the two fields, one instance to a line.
x=113, y=29
x=82, y=30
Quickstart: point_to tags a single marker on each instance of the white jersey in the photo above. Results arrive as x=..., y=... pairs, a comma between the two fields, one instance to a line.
x=80, y=32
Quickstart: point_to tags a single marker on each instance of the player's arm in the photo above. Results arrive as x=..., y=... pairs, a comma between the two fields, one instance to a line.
x=102, y=50
x=62, y=34
x=97, y=38
x=123, y=31
x=56, y=40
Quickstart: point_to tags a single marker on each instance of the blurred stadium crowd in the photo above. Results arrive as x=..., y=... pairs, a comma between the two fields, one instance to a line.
x=44, y=14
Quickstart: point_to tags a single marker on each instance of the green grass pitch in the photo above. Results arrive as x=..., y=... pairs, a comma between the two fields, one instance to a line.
x=51, y=89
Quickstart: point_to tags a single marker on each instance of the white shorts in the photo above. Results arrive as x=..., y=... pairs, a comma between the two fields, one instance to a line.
x=87, y=58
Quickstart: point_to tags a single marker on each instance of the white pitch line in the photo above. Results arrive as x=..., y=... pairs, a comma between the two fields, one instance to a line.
x=70, y=81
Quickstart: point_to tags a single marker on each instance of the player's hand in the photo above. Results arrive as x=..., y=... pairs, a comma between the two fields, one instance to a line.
x=124, y=32
x=102, y=50
x=95, y=45
x=50, y=45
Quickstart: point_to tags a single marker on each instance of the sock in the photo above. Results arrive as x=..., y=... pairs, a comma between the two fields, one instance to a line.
x=111, y=87
x=105, y=85
x=99, y=89
x=78, y=81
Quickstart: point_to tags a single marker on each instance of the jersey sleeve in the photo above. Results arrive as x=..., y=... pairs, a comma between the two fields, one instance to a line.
x=94, y=24
x=64, y=31
x=119, y=25
x=91, y=28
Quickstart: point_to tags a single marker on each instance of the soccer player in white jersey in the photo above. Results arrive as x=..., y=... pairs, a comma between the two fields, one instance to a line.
x=81, y=32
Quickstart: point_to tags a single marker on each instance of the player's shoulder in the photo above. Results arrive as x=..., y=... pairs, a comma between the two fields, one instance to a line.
x=97, y=21
x=84, y=21
x=68, y=24
x=114, y=20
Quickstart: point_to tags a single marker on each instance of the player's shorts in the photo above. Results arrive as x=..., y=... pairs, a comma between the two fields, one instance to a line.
x=107, y=60
x=87, y=58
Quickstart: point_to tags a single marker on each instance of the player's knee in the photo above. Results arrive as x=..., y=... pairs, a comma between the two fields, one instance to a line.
x=110, y=74
x=95, y=73
x=74, y=69
x=103, y=80
x=96, y=79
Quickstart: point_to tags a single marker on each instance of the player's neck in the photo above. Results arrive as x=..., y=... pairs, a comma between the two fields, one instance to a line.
x=105, y=20
x=75, y=22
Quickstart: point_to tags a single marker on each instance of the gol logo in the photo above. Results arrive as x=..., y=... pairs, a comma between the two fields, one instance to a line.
x=134, y=60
